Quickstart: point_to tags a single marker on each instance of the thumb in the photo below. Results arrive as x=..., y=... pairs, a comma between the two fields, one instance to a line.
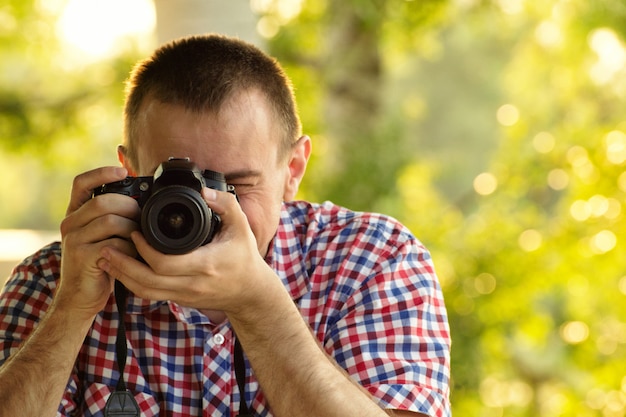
x=224, y=204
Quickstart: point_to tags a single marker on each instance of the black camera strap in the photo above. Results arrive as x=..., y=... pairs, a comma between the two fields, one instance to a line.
x=121, y=403
x=240, y=375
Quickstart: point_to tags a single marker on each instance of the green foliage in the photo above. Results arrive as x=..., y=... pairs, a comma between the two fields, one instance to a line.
x=57, y=118
x=531, y=260
x=532, y=269
x=354, y=161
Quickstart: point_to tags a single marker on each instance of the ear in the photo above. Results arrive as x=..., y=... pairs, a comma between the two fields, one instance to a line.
x=122, y=156
x=296, y=166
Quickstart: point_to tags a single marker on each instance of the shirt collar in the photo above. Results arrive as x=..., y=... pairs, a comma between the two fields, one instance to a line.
x=286, y=254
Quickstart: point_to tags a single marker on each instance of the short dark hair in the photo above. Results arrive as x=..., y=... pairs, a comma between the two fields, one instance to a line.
x=200, y=73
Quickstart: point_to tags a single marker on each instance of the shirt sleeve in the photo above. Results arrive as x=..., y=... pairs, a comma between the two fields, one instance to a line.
x=390, y=331
x=24, y=300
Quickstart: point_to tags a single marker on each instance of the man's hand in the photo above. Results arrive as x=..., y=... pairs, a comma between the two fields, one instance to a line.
x=90, y=225
x=224, y=275
x=33, y=379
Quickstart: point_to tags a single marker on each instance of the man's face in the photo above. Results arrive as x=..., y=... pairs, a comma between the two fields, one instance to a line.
x=239, y=141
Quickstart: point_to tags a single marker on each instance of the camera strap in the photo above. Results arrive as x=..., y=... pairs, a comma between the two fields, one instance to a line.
x=121, y=402
x=240, y=375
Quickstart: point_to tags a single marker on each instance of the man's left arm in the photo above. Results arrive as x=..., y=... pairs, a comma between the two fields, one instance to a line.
x=297, y=376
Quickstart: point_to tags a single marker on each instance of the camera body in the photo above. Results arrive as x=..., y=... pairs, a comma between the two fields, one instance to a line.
x=175, y=219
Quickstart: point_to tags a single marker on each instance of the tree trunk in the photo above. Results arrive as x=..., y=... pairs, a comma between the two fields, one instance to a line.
x=353, y=78
x=189, y=17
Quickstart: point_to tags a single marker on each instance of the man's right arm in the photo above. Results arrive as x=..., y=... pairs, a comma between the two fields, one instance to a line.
x=33, y=379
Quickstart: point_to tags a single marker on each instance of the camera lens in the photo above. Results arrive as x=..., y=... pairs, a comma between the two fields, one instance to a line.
x=176, y=220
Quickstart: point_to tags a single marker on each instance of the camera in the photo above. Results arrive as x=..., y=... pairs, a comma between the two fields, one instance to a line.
x=175, y=219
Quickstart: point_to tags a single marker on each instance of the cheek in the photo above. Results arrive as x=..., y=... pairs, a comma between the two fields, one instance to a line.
x=263, y=218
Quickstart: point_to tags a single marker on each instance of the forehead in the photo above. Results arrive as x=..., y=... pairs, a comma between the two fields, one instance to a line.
x=242, y=135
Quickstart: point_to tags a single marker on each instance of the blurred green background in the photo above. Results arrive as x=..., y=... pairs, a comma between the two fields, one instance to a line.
x=494, y=129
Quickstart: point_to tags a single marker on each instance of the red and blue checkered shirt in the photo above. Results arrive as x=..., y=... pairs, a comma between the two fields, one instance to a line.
x=365, y=285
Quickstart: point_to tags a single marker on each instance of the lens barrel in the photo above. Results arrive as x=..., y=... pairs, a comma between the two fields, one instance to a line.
x=176, y=220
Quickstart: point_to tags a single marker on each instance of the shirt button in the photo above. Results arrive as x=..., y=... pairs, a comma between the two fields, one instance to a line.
x=218, y=339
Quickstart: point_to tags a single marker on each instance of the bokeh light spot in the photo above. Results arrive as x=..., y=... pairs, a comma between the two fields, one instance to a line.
x=603, y=242
x=485, y=183
x=507, y=115
x=485, y=283
x=530, y=240
x=615, y=142
x=574, y=332
x=543, y=142
x=558, y=179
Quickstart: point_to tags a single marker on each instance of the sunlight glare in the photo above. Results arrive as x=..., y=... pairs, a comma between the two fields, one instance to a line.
x=16, y=244
x=268, y=26
x=274, y=14
x=548, y=34
x=611, y=55
x=285, y=10
x=97, y=29
x=511, y=7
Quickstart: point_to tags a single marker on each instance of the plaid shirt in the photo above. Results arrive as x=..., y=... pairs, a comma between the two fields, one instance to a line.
x=364, y=284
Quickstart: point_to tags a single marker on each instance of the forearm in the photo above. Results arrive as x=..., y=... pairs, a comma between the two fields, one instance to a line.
x=33, y=379
x=296, y=375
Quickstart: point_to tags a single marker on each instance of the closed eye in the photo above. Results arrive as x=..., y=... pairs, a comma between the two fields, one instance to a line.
x=241, y=187
x=242, y=177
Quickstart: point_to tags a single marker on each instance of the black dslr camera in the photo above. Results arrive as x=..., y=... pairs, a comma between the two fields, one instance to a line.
x=174, y=217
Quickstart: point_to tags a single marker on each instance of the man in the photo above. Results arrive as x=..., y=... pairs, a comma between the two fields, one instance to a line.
x=338, y=313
